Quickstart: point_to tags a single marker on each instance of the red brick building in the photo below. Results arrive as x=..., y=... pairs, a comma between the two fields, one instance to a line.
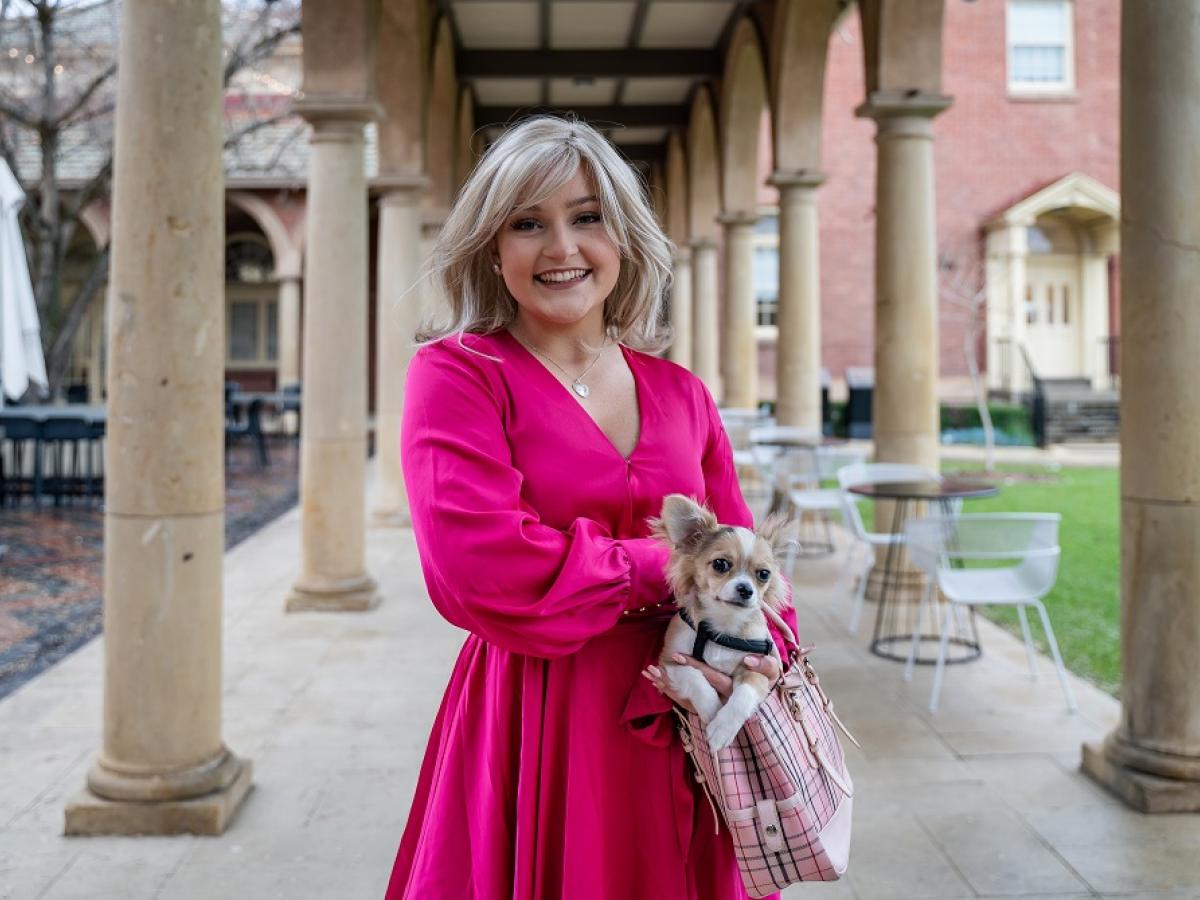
x=1014, y=129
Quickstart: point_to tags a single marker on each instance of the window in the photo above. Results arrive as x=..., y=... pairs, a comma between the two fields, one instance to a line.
x=766, y=271
x=252, y=331
x=1040, y=47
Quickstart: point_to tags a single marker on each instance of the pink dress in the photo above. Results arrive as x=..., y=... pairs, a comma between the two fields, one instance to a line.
x=553, y=769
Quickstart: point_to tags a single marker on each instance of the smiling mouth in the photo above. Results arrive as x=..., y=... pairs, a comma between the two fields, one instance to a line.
x=562, y=276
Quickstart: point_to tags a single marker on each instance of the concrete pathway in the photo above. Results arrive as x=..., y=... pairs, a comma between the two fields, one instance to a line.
x=982, y=799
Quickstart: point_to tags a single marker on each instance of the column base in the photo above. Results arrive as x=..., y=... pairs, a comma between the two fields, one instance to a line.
x=209, y=814
x=1145, y=793
x=359, y=595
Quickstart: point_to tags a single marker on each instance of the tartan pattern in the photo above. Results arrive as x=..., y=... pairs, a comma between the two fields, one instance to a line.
x=770, y=760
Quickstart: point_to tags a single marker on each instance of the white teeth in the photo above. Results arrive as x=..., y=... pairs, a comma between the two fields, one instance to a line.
x=569, y=275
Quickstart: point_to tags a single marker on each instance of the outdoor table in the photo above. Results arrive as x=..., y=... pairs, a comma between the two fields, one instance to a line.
x=794, y=444
x=892, y=637
x=93, y=415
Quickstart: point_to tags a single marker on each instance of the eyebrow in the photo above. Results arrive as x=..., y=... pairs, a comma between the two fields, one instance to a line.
x=591, y=198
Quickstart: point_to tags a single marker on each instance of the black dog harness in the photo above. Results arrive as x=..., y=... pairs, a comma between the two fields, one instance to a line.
x=706, y=633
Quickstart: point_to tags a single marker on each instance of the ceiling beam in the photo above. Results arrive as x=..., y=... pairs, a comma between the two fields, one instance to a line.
x=629, y=116
x=588, y=63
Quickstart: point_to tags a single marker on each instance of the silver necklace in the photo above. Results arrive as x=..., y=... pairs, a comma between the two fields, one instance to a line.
x=577, y=384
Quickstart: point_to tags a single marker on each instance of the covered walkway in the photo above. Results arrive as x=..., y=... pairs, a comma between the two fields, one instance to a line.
x=984, y=799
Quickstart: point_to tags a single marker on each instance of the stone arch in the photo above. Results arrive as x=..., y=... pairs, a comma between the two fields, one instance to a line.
x=704, y=183
x=97, y=221
x=467, y=145
x=743, y=100
x=902, y=45
x=400, y=86
x=798, y=54
x=676, y=183
x=441, y=116
x=284, y=246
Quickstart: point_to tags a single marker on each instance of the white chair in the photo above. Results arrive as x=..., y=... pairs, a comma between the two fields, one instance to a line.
x=1011, y=559
x=872, y=473
x=739, y=425
x=811, y=501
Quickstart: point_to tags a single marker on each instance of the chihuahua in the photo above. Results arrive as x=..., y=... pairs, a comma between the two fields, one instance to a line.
x=723, y=577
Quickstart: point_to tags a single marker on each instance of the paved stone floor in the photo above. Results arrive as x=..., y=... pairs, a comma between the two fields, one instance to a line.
x=981, y=800
x=51, y=571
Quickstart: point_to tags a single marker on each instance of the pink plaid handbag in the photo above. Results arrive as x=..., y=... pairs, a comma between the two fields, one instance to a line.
x=782, y=786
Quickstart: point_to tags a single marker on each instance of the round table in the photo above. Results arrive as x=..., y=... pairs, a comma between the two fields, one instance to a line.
x=892, y=637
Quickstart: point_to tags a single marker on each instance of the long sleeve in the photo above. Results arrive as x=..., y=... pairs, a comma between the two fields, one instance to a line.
x=491, y=566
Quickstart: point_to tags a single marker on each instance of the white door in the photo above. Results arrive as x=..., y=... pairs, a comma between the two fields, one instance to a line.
x=1052, y=315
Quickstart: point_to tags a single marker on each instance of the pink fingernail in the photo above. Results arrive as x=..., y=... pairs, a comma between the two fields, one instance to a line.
x=679, y=658
x=751, y=661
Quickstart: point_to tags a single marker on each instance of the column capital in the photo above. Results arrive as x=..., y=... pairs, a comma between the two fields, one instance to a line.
x=883, y=105
x=681, y=256
x=319, y=109
x=801, y=178
x=400, y=188
x=739, y=217
x=703, y=243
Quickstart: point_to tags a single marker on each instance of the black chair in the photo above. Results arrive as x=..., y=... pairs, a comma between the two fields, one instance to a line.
x=250, y=428
x=20, y=473
x=67, y=457
x=291, y=403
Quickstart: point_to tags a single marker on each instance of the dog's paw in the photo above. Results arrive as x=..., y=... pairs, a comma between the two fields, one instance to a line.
x=721, y=731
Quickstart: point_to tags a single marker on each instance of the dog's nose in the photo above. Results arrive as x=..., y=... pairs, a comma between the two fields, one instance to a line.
x=744, y=590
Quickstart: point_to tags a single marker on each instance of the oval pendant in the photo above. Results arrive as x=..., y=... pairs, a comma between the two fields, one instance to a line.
x=580, y=388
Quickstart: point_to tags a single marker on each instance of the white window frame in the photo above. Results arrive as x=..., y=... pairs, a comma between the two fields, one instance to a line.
x=1035, y=89
x=262, y=296
x=767, y=333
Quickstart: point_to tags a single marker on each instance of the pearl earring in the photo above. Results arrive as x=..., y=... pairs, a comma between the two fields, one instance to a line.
x=496, y=268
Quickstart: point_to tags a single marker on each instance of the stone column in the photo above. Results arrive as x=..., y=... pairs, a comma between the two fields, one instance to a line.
x=739, y=349
x=1007, y=251
x=798, y=353
x=1152, y=759
x=1091, y=308
x=163, y=767
x=705, y=315
x=288, y=371
x=905, y=406
x=681, y=308
x=333, y=432
x=397, y=315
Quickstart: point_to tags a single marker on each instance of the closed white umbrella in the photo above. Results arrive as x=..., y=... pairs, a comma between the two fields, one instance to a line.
x=21, y=359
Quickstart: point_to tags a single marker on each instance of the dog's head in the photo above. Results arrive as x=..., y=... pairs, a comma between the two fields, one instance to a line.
x=716, y=569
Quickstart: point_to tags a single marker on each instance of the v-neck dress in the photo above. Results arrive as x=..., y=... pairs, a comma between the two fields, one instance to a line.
x=553, y=769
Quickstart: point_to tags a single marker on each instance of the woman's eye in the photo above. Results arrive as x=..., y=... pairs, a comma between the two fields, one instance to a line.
x=589, y=218
x=524, y=225
x=763, y=575
x=721, y=566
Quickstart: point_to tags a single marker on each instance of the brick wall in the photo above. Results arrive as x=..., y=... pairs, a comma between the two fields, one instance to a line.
x=990, y=151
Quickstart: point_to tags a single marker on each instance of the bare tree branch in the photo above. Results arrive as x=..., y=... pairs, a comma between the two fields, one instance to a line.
x=59, y=355
x=240, y=59
x=235, y=137
x=81, y=101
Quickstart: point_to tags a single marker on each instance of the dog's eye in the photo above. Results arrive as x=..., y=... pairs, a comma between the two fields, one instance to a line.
x=721, y=566
x=763, y=575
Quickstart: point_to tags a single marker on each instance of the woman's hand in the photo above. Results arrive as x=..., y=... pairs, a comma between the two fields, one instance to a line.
x=768, y=666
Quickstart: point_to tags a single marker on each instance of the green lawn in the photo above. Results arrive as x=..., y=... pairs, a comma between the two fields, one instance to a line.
x=1084, y=606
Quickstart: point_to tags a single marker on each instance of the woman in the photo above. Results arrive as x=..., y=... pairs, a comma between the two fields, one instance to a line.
x=538, y=438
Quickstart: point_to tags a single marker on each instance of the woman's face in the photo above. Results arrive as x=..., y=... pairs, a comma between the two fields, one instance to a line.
x=557, y=260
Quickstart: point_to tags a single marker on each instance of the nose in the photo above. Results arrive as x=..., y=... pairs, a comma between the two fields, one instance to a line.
x=744, y=591
x=560, y=243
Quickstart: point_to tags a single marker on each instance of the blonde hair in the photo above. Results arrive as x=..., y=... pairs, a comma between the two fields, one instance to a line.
x=529, y=163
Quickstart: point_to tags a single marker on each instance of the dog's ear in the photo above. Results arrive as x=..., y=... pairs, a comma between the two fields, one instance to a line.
x=773, y=530
x=683, y=522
